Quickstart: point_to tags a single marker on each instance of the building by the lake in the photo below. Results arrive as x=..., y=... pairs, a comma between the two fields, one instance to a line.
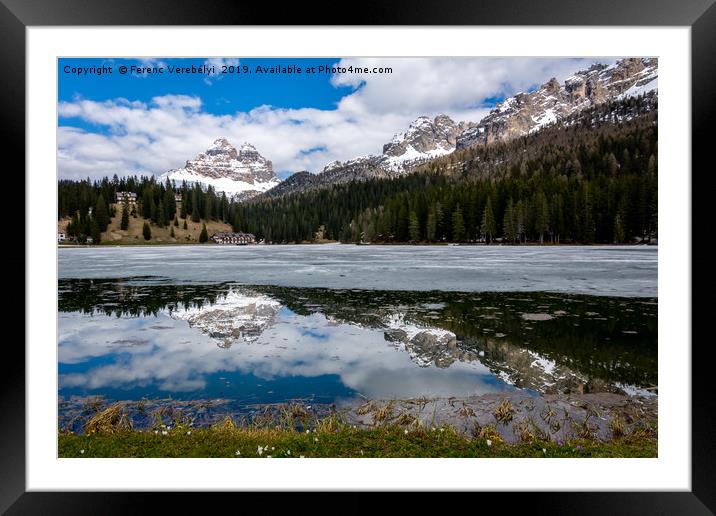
x=226, y=237
x=129, y=198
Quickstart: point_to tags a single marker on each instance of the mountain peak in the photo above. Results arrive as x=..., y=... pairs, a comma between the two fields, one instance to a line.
x=425, y=138
x=527, y=112
x=228, y=170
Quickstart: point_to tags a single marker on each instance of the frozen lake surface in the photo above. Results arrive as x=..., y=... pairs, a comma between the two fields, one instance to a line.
x=625, y=271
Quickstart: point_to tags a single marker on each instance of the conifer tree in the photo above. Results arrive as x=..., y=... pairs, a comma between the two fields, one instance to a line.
x=203, y=236
x=431, y=225
x=195, y=217
x=124, y=224
x=541, y=216
x=488, y=227
x=182, y=209
x=171, y=233
x=101, y=215
x=185, y=225
x=414, y=227
x=618, y=229
x=509, y=228
x=95, y=232
x=146, y=231
x=458, y=225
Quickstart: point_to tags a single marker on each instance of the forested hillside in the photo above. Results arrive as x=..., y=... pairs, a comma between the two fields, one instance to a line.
x=590, y=179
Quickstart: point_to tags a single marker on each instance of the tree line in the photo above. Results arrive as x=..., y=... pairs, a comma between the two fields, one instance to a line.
x=589, y=179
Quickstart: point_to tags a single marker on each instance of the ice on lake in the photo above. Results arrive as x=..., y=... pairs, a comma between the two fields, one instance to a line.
x=627, y=271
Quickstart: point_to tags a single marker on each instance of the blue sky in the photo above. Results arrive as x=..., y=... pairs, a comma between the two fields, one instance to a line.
x=150, y=123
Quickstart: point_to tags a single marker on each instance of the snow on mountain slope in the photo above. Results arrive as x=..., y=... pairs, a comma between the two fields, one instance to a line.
x=526, y=113
x=227, y=170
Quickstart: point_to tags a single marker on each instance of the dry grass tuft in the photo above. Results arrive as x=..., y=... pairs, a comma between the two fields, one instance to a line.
x=489, y=432
x=466, y=411
x=405, y=418
x=617, y=426
x=112, y=420
x=366, y=408
x=384, y=413
x=504, y=412
x=524, y=430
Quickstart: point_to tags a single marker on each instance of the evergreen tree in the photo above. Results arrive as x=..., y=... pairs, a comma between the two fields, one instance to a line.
x=94, y=231
x=162, y=215
x=146, y=231
x=171, y=233
x=414, y=227
x=509, y=226
x=541, y=216
x=458, y=225
x=182, y=209
x=176, y=221
x=431, y=225
x=124, y=224
x=185, y=225
x=101, y=215
x=195, y=217
x=203, y=236
x=618, y=230
x=488, y=227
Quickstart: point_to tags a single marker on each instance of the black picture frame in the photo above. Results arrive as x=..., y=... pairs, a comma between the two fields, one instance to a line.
x=17, y=15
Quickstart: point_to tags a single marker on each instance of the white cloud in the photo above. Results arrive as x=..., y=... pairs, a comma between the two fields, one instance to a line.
x=134, y=137
x=216, y=64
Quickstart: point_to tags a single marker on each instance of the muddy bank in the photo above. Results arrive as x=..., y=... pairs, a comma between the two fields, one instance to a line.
x=511, y=417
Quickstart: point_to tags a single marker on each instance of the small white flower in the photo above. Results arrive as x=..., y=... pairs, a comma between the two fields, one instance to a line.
x=82, y=452
x=260, y=450
x=406, y=431
x=544, y=450
x=188, y=433
x=164, y=432
x=489, y=443
x=315, y=439
x=308, y=431
x=434, y=429
x=237, y=452
x=361, y=452
x=442, y=429
x=288, y=452
x=156, y=431
x=268, y=456
x=301, y=456
x=272, y=448
x=308, y=406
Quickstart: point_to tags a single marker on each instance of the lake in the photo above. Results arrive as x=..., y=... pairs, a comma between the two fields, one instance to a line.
x=338, y=323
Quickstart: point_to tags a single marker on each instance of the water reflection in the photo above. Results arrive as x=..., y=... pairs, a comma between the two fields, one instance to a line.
x=143, y=337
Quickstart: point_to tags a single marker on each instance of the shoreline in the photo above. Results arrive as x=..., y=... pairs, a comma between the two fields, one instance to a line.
x=382, y=244
x=496, y=425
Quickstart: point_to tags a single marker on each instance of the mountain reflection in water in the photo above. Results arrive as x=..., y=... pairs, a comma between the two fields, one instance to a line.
x=147, y=337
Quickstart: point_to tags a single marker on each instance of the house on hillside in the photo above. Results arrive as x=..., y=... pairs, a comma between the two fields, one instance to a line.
x=177, y=197
x=129, y=198
x=228, y=238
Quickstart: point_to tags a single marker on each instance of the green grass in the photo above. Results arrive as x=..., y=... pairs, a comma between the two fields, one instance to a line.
x=332, y=441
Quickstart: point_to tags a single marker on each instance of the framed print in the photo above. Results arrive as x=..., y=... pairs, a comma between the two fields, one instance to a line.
x=429, y=250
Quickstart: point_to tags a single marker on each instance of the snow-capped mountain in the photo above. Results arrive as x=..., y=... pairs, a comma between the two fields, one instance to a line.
x=424, y=140
x=528, y=112
x=240, y=316
x=524, y=113
x=242, y=172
